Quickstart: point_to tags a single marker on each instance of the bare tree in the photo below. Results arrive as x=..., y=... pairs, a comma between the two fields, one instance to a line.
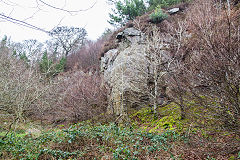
x=208, y=73
x=68, y=39
x=85, y=96
x=33, y=49
x=22, y=92
x=158, y=66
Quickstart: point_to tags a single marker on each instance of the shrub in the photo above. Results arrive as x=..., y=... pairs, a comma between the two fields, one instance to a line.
x=208, y=73
x=84, y=95
x=158, y=15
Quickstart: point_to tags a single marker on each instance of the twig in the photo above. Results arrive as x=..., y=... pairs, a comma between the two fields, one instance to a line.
x=9, y=128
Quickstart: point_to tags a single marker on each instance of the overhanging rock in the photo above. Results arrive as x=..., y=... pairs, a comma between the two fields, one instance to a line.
x=131, y=34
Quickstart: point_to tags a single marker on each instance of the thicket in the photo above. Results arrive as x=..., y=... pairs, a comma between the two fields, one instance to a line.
x=206, y=77
x=40, y=89
x=22, y=92
x=84, y=95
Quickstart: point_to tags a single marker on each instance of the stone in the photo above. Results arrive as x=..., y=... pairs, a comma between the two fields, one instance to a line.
x=108, y=59
x=121, y=75
x=173, y=10
x=131, y=34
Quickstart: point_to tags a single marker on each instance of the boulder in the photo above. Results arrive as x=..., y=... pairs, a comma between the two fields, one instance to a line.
x=121, y=75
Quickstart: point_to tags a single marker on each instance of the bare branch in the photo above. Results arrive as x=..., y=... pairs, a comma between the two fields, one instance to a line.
x=65, y=10
x=30, y=17
x=10, y=3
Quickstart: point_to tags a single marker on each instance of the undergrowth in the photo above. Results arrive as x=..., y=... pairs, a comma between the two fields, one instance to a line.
x=84, y=140
x=167, y=137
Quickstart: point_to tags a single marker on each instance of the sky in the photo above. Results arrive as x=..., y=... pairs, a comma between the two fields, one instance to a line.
x=36, y=13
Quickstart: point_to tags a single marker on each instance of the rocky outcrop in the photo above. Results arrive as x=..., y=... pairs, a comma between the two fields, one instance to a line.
x=120, y=72
x=121, y=67
x=125, y=69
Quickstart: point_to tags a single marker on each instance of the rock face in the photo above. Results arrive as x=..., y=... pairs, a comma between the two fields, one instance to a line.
x=120, y=71
x=125, y=70
x=121, y=68
x=108, y=59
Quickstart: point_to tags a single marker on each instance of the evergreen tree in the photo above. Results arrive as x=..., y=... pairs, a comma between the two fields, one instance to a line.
x=126, y=10
x=49, y=68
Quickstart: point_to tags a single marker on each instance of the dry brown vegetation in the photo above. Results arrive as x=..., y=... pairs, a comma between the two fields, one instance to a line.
x=23, y=92
x=207, y=67
x=87, y=57
x=84, y=96
x=70, y=96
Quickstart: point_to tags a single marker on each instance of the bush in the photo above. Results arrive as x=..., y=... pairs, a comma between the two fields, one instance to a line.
x=84, y=95
x=158, y=15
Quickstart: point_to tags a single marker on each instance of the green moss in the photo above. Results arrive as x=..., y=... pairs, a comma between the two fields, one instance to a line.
x=170, y=109
x=144, y=115
x=168, y=123
x=232, y=158
x=169, y=118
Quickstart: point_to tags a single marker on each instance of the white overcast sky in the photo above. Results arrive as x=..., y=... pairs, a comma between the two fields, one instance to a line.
x=94, y=20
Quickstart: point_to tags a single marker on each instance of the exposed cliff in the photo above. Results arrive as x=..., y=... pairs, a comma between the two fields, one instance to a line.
x=127, y=68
